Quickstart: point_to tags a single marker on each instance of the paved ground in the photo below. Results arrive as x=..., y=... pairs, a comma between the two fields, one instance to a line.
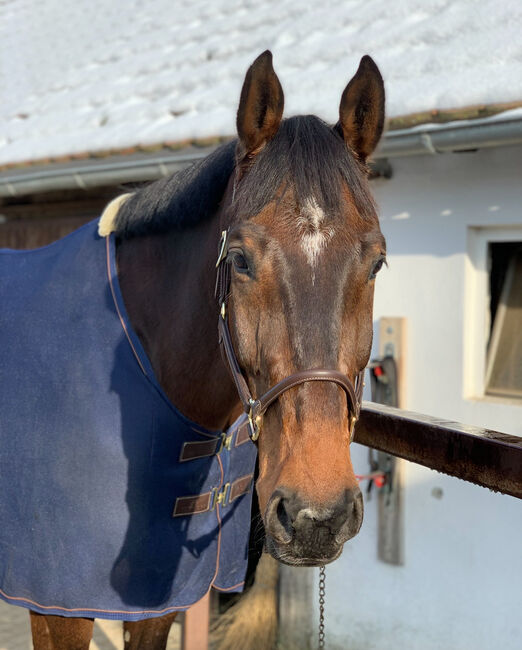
x=15, y=632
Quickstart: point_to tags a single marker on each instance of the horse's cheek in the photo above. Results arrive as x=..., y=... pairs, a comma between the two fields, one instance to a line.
x=270, y=467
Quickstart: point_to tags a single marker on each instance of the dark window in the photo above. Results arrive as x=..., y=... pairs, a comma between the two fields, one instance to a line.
x=504, y=356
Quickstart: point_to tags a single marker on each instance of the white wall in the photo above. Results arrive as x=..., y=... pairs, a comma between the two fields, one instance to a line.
x=461, y=585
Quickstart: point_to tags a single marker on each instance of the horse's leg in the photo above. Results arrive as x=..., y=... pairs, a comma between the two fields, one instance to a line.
x=151, y=633
x=60, y=633
x=40, y=632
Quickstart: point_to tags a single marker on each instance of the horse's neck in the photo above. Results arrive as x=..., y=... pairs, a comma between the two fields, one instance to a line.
x=167, y=284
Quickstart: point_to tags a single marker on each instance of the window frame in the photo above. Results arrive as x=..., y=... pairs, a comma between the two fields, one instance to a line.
x=477, y=316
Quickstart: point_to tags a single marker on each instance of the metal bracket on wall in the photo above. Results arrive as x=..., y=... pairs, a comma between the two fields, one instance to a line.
x=387, y=374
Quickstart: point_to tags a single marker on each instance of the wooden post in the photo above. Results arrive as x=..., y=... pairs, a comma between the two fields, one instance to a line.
x=195, y=626
x=295, y=608
x=390, y=546
x=392, y=341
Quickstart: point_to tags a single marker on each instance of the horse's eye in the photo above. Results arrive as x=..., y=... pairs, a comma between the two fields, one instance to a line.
x=239, y=262
x=377, y=267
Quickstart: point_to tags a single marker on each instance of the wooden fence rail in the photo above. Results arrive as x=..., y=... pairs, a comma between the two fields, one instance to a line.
x=481, y=456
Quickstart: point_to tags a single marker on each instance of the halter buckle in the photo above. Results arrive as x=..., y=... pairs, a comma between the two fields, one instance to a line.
x=351, y=426
x=254, y=421
x=222, y=248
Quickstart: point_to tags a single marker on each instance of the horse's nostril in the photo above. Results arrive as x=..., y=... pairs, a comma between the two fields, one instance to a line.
x=282, y=515
x=278, y=521
x=355, y=508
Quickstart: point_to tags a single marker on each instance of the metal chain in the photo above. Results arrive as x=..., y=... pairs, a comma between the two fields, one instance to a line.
x=322, y=591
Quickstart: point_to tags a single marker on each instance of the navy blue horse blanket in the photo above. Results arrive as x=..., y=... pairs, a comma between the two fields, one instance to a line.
x=112, y=503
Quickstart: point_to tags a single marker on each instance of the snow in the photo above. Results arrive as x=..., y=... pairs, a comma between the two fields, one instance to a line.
x=92, y=75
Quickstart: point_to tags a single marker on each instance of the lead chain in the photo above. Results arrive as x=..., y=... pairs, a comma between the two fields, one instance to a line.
x=322, y=590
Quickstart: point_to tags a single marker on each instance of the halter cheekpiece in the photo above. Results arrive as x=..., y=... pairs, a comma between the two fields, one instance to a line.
x=256, y=408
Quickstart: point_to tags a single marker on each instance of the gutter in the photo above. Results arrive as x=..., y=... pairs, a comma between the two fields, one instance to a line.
x=429, y=139
x=93, y=173
x=468, y=135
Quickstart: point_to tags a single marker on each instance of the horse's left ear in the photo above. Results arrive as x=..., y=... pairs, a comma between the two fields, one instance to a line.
x=261, y=105
x=361, y=113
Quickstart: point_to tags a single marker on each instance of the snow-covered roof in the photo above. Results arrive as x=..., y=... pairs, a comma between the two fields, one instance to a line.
x=95, y=75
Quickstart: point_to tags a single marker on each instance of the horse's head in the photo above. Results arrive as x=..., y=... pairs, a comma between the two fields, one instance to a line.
x=304, y=246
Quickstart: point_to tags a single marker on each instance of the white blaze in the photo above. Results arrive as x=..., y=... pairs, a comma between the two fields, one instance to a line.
x=315, y=236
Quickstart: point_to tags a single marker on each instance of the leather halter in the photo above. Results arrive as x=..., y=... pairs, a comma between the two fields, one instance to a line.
x=255, y=408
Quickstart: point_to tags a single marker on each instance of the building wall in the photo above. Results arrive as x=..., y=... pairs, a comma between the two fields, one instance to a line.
x=460, y=586
x=39, y=219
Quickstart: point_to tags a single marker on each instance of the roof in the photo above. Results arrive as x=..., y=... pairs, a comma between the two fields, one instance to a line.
x=94, y=76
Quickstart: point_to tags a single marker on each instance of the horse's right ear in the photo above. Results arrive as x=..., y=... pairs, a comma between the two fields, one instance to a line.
x=261, y=105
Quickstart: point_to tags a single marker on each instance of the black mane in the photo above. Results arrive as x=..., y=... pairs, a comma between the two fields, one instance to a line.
x=306, y=154
x=178, y=201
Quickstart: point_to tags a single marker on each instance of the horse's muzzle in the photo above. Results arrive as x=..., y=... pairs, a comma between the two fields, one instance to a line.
x=300, y=533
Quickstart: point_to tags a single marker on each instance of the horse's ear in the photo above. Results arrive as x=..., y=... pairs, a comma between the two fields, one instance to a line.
x=261, y=105
x=361, y=113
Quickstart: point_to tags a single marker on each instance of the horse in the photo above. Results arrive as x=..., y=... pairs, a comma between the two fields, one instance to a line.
x=287, y=211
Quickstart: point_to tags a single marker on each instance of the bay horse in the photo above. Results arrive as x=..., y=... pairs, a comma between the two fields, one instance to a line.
x=289, y=208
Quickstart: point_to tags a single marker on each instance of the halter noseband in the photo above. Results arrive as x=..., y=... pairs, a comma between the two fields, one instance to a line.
x=255, y=408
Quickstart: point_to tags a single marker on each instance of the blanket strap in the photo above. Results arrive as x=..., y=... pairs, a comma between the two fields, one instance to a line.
x=196, y=504
x=214, y=446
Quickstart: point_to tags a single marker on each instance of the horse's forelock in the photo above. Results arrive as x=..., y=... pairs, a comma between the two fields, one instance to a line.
x=310, y=159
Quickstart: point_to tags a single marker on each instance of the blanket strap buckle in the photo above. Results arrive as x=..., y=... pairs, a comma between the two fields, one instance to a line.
x=226, y=443
x=219, y=498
